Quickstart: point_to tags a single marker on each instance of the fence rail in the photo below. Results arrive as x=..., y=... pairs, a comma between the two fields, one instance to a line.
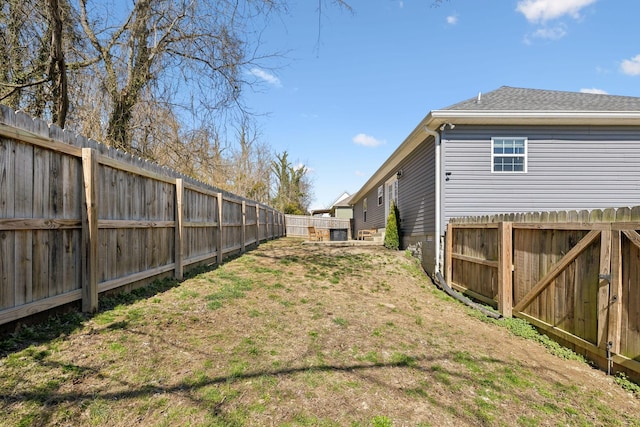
x=78, y=218
x=575, y=275
x=297, y=225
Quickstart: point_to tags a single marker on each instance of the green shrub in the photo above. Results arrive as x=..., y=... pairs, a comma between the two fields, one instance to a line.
x=392, y=236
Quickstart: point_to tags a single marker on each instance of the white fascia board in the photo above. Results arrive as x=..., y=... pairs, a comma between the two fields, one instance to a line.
x=623, y=118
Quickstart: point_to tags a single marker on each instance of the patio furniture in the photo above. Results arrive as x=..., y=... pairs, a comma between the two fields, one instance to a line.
x=314, y=235
x=363, y=234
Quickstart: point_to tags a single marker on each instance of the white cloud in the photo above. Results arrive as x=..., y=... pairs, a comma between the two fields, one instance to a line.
x=546, y=10
x=546, y=33
x=452, y=19
x=367, y=140
x=267, y=77
x=401, y=4
x=555, y=33
x=594, y=91
x=631, y=66
x=359, y=173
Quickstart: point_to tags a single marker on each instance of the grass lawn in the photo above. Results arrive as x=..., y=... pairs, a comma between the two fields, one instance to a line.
x=295, y=335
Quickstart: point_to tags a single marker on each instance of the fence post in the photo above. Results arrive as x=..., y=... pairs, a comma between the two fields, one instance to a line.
x=257, y=224
x=220, y=239
x=272, y=224
x=283, y=225
x=179, y=229
x=89, y=233
x=244, y=225
x=505, y=262
x=268, y=225
x=448, y=252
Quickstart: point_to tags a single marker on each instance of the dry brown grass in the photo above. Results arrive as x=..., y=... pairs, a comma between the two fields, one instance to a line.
x=294, y=335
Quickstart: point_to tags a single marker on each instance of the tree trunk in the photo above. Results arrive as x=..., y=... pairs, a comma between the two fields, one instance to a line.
x=119, y=120
x=138, y=75
x=57, y=66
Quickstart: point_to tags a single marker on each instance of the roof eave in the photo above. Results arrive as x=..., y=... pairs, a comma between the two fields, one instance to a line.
x=501, y=117
x=408, y=145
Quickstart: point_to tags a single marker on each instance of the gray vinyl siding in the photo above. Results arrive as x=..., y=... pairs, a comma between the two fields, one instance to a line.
x=375, y=213
x=568, y=168
x=416, y=191
x=416, y=203
x=357, y=216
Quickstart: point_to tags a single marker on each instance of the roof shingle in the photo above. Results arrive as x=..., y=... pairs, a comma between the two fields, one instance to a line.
x=508, y=98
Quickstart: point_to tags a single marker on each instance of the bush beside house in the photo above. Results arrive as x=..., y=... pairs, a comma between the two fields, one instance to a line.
x=391, y=235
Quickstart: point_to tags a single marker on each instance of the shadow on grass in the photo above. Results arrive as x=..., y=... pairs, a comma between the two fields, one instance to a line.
x=62, y=324
x=50, y=398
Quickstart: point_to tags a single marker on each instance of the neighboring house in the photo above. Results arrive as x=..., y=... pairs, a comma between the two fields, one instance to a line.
x=506, y=151
x=340, y=208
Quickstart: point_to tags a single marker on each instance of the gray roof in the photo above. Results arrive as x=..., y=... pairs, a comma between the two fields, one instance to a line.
x=519, y=99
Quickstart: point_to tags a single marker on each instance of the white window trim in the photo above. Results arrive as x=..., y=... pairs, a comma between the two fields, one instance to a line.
x=393, y=181
x=525, y=155
x=364, y=210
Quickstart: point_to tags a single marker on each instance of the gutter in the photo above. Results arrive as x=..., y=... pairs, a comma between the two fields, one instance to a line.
x=501, y=117
x=436, y=136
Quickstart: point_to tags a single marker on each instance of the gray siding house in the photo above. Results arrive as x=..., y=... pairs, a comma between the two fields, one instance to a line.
x=506, y=151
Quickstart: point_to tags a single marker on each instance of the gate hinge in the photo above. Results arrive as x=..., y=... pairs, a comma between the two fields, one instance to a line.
x=606, y=277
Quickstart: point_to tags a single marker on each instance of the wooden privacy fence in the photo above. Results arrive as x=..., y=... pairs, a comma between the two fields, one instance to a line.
x=575, y=275
x=78, y=218
x=296, y=225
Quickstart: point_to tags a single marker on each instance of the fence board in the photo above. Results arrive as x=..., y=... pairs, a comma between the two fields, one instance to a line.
x=7, y=270
x=7, y=177
x=71, y=239
x=7, y=238
x=615, y=304
x=604, y=285
x=630, y=316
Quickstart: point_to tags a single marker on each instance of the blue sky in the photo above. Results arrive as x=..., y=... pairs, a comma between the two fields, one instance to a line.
x=342, y=104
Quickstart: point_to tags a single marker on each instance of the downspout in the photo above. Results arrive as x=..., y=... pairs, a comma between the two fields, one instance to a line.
x=436, y=136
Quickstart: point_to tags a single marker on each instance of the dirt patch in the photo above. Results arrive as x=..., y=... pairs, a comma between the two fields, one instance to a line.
x=294, y=335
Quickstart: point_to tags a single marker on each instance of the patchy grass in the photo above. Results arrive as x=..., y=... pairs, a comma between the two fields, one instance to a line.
x=294, y=335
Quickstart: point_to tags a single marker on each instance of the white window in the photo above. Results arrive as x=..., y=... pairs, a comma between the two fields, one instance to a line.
x=380, y=195
x=509, y=155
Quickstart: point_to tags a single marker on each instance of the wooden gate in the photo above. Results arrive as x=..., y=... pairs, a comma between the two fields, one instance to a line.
x=578, y=281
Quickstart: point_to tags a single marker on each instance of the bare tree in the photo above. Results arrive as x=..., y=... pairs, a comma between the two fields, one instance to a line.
x=195, y=50
x=33, y=69
x=249, y=165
